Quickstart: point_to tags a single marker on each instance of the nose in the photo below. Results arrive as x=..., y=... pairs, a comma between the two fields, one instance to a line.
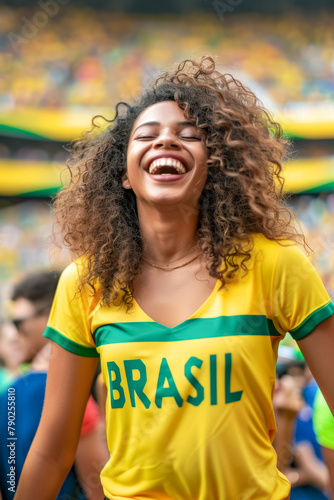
x=166, y=139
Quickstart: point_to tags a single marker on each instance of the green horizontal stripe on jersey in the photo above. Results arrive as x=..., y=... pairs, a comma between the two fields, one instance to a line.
x=191, y=329
x=70, y=345
x=313, y=320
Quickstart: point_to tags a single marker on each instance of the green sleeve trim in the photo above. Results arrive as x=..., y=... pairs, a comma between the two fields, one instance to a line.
x=70, y=345
x=312, y=321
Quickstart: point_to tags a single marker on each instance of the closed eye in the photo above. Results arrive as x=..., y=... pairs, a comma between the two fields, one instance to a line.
x=181, y=137
x=188, y=137
x=146, y=137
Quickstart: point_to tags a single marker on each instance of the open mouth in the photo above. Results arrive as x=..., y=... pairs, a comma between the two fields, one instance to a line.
x=167, y=166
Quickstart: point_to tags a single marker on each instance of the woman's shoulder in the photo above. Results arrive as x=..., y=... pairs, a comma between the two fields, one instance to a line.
x=277, y=256
x=76, y=276
x=75, y=269
x=78, y=268
x=272, y=248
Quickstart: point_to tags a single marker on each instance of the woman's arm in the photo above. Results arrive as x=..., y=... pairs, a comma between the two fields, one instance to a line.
x=318, y=351
x=53, y=450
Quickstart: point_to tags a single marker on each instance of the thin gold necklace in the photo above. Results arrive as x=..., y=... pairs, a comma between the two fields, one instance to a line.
x=167, y=268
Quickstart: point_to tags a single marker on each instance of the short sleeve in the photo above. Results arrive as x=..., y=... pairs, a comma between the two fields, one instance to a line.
x=323, y=422
x=299, y=299
x=68, y=323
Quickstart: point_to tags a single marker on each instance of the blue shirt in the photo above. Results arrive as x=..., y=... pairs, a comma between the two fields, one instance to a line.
x=22, y=404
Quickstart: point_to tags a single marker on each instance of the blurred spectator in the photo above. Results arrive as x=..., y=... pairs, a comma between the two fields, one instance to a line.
x=299, y=454
x=11, y=355
x=287, y=402
x=32, y=298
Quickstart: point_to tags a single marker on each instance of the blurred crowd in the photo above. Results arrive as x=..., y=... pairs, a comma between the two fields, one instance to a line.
x=25, y=243
x=80, y=57
x=316, y=214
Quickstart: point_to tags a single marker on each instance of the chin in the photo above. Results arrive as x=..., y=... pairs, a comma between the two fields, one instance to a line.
x=168, y=196
x=168, y=201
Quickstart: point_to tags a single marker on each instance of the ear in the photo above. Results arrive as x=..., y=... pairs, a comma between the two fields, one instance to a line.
x=125, y=181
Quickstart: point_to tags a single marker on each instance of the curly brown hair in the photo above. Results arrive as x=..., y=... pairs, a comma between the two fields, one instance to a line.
x=242, y=195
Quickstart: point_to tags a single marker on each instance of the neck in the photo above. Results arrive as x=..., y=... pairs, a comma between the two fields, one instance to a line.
x=168, y=236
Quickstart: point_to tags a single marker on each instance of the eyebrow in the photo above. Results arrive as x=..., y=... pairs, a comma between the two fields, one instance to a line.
x=179, y=124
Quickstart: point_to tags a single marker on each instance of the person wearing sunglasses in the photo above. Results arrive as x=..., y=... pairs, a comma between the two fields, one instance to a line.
x=11, y=365
x=31, y=302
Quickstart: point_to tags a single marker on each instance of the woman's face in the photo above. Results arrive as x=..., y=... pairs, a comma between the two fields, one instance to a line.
x=166, y=158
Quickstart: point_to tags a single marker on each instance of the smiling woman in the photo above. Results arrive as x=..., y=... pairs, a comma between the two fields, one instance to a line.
x=187, y=275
